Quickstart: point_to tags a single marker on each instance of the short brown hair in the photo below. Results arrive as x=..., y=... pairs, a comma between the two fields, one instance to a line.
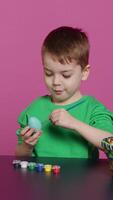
x=67, y=43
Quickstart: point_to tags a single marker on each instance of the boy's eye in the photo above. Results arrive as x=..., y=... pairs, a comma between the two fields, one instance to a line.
x=66, y=76
x=48, y=74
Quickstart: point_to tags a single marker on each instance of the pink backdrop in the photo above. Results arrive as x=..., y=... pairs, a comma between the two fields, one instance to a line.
x=23, y=25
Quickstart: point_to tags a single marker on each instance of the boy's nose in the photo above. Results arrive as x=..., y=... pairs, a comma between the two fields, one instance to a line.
x=56, y=80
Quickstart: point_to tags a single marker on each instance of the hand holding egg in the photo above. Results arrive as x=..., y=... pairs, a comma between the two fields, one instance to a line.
x=27, y=134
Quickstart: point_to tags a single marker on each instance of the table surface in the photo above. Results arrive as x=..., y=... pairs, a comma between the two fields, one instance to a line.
x=79, y=179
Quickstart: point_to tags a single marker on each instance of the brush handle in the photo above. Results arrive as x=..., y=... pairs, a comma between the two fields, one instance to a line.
x=71, y=107
x=75, y=105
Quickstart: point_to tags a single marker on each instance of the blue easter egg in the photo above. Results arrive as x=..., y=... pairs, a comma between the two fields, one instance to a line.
x=34, y=122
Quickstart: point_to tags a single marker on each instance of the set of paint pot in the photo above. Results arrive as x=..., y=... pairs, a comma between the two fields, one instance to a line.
x=39, y=167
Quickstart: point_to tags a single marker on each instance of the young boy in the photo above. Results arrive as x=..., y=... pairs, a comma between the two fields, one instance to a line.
x=73, y=125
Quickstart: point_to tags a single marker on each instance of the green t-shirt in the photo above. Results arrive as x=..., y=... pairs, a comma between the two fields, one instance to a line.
x=56, y=141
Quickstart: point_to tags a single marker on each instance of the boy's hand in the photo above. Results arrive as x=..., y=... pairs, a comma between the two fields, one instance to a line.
x=28, y=137
x=62, y=118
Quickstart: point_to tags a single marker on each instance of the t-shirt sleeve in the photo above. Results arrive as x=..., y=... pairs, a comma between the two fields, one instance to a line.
x=102, y=118
x=23, y=122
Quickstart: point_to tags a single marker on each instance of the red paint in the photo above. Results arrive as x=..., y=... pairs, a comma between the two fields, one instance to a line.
x=56, y=169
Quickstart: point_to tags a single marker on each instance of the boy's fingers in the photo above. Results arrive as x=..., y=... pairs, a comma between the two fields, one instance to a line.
x=23, y=132
x=32, y=144
x=33, y=139
x=28, y=133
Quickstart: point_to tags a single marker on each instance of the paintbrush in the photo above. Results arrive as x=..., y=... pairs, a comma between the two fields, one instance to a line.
x=34, y=122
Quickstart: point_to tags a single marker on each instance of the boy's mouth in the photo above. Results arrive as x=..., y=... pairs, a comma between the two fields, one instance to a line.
x=58, y=92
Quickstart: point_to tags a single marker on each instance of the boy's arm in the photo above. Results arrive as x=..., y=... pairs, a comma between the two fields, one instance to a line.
x=94, y=135
x=23, y=150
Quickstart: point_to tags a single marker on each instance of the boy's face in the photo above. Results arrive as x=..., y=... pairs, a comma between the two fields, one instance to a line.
x=63, y=80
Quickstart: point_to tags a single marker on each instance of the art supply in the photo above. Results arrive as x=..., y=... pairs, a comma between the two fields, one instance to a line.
x=24, y=164
x=39, y=167
x=56, y=169
x=110, y=140
x=67, y=109
x=75, y=105
x=35, y=123
x=48, y=168
x=31, y=165
x=16, y=163
x=107, y=145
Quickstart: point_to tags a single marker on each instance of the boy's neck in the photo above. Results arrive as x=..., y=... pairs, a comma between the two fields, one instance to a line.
x=73, y=99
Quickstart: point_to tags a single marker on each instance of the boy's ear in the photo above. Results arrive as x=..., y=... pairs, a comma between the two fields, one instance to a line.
x=85, y=72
